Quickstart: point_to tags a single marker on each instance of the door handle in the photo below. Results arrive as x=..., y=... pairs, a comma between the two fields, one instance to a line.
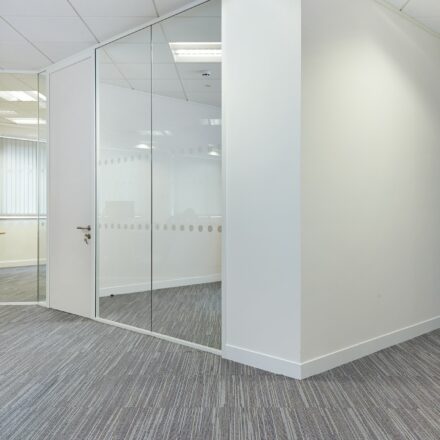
x=84, y=228
x=2, y=233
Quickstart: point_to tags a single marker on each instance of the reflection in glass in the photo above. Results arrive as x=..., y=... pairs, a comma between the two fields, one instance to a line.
x=18, y=187
x=187, y=220
x=124, y=181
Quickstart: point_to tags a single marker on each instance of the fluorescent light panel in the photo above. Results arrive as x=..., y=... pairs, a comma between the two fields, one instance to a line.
x=22, y=96
x=27, y=121
x=193, y=52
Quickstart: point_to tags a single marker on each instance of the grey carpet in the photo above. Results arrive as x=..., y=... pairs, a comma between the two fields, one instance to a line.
x=64, y=377
x=191, y=313
x=19, y=284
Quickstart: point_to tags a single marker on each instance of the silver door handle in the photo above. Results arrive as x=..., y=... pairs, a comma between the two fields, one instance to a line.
x=84, y=228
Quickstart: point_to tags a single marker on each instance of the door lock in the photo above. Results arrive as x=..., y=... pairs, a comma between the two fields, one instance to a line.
x=86, y=230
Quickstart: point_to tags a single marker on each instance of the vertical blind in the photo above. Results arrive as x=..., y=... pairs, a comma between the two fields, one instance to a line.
x=22, y=177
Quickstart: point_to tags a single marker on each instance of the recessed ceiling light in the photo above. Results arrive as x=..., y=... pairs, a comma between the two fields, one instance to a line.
x=20, y=95
x=27, y=121
x=193, y=52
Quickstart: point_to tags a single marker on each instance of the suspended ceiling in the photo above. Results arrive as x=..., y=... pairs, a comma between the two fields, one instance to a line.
x=36, y=33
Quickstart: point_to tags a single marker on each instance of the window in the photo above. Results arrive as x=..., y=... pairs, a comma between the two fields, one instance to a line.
x=19, y=178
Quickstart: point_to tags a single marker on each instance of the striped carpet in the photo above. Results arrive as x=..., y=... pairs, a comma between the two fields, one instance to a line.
x=64, y=377
x=191, y=313
x=18, y=284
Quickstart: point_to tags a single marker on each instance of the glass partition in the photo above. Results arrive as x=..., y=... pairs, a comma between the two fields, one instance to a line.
x=186, y=85
x=124, y=180
x=159, y=195
x=18, y=187
x=42, y=158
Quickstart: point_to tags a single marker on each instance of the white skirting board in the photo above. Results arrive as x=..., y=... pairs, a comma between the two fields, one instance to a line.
x=331, y=360
x=160, y=284
x=20, y=263
x=262, y=361
x=365, y=348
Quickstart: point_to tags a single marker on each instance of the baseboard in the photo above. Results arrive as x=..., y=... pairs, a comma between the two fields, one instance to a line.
x=365, y=348
x=20, y=303
x=262, y=361
x=124, y=289
x=329, y=361
x=18, y=263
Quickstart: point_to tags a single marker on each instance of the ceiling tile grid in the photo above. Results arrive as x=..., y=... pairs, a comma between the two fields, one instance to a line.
x=426, y=12
x=34, y=34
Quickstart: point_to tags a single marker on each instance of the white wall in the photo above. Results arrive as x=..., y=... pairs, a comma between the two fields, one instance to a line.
x=261, y=103
x=370, y=179
x=18, y=247
x=186, y=186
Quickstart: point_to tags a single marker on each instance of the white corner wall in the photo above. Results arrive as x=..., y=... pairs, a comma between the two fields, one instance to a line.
x=370, y=181
x=261, y=118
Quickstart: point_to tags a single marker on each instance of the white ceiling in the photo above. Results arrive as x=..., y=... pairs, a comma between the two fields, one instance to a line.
x=51, y=32
x=36, y=33
x=426, y=12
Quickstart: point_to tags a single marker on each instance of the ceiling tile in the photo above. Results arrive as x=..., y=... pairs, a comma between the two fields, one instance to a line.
x=164, y=71
x=423, y=8
x=202, y=86
x=109, y=72
x=164, y=85
x=36, y=8
x=205, y=98
x=21, y=55
x=58, y=51
x=114, y=8
x=431, y=23
x=162, y=54
x=117, y=82
x=58, y=29
x=108, y=27
x=7, y=33
x=143, y=71
x=192, y=29
x=397, y=3
x=121, y=53
x=213, y=8
x=173, y=94
x=166, y=6
x=194, y=70
x=135, y=71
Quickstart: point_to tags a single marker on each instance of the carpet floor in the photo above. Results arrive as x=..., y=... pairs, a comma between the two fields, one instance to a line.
x=19, y=284
x=64, y=377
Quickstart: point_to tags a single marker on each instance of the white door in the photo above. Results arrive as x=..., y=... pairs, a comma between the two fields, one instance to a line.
x=71, y=188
